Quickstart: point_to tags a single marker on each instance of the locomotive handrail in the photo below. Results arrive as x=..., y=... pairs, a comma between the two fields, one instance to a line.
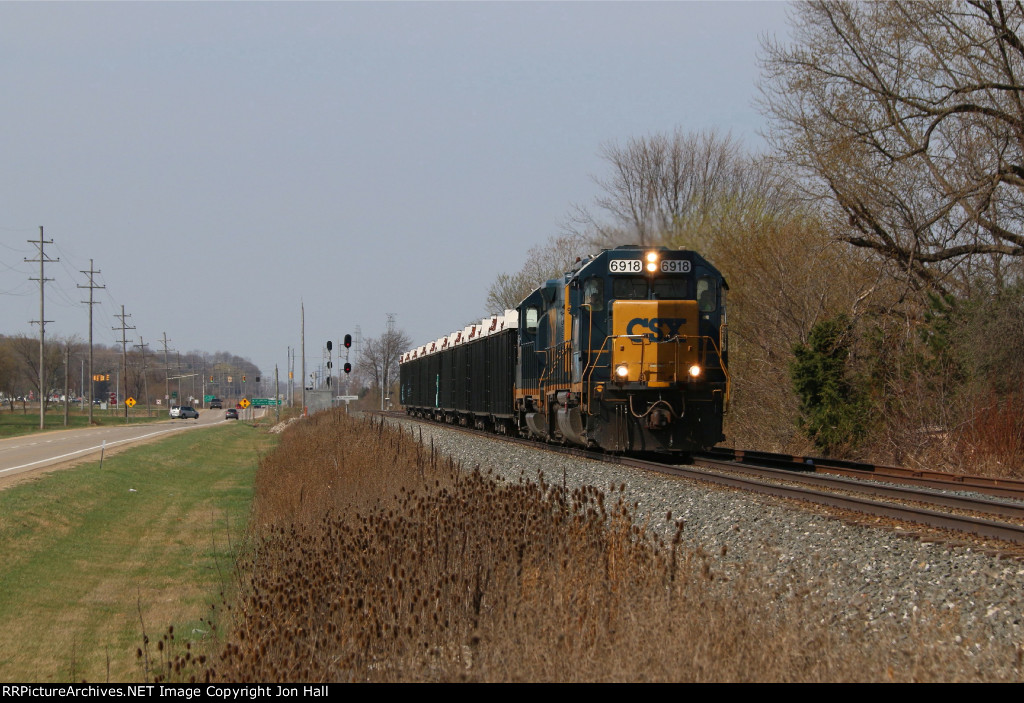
x=556, y=354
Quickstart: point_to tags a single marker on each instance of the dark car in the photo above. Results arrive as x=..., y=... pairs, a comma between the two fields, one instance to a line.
x=187, y=412
x=216, y=404
x=230, y=414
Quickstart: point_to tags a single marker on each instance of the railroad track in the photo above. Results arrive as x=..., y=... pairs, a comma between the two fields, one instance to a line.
x=990, y=509
x=1003, y=487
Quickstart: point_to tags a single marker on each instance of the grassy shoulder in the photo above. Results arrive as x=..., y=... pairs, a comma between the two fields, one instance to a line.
x=17, y=423
x=92, y=556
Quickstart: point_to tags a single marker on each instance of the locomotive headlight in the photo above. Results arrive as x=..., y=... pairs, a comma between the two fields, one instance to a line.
x=652, y=261
x=621, y=371
x=695, y=371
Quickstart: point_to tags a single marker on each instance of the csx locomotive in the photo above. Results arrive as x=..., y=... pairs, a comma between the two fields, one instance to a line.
x=627, y=351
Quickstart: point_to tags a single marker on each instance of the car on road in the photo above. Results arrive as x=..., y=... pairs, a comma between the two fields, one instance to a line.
x=185, y=412
x=230, y=414
x=216, y=404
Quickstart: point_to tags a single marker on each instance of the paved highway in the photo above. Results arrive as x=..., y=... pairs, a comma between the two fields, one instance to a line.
x=20, y=455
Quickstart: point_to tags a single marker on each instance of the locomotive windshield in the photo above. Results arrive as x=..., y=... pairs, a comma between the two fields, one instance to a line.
x=629, y=288
x=670, y=288
x=636, y=288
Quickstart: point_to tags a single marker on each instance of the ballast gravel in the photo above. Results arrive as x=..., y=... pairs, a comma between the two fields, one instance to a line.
x=885, y=576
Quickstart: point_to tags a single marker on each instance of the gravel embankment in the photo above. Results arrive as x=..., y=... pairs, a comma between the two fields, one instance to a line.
x=888, y=576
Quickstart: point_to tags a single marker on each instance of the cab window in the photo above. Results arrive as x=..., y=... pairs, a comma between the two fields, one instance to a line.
x=673, y=288
x=629, y=288
x=593, y=294
x=531, y=320
x=707, y=294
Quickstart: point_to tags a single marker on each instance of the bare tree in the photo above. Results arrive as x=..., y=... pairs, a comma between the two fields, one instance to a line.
x=25, y=352
x=543, y=262
x=8, y=385
x=662, y=186
x=380, y=355
x=907, y=119
x=508, y=290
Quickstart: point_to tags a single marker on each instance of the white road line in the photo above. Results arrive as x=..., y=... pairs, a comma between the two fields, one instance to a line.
x=92, y=449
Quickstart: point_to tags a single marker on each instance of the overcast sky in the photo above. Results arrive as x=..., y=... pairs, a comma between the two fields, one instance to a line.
x=223, y=162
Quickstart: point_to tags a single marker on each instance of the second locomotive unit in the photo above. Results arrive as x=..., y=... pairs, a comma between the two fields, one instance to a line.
x=627, y=351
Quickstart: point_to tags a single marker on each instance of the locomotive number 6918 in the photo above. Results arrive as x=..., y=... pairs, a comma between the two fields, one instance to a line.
x=628, y=351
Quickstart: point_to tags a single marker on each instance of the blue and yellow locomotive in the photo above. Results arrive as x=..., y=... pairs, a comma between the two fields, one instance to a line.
x=627, y=352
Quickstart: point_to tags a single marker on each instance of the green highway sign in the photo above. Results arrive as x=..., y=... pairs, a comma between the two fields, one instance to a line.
x=260, y=402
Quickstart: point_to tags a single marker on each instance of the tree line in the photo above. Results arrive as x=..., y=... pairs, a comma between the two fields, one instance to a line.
x=149, y=377
x=874, y=249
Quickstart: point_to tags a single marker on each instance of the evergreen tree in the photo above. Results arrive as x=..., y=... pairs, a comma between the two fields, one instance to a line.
x=833, y=411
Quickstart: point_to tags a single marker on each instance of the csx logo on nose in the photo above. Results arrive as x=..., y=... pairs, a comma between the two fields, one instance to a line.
x=656, y=328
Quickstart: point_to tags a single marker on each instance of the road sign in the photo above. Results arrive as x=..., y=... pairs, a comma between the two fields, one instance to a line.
x=130, y=402
x=263, y=402
x=244, y=403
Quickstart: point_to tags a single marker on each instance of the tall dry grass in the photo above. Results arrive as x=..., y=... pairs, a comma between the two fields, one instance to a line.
x=377, y=560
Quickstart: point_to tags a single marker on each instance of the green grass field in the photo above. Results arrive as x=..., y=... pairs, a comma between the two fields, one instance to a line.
x=91, y=556
x=13, y=424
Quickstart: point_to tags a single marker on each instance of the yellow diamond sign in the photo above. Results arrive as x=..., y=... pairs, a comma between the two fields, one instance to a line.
x=130, y=402
x=244, y=402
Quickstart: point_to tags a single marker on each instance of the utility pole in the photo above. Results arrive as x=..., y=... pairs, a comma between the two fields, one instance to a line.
x=124, y=355
x=92, y=286
x=303, y=352
x=145, y=376
x=357, y=344
x=43, y=260
x=167, y=373
x=385, y=362
x=67, y=367
x=277, y=394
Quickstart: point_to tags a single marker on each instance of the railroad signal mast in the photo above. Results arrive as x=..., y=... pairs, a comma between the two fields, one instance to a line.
x=330, y=346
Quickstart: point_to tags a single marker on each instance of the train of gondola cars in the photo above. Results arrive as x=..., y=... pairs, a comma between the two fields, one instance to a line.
x=626, y=352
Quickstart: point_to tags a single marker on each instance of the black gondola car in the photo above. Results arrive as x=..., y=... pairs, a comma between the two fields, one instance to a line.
x=466, y=378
